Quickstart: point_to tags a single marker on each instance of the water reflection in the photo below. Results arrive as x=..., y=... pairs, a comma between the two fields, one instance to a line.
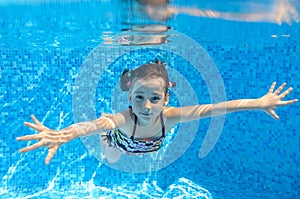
x=277, y=11
x=151, y=28
x=139, y=30
x=141, y=34
x=143, y=39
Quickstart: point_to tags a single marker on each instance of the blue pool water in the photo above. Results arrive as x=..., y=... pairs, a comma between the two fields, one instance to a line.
x=46, y=45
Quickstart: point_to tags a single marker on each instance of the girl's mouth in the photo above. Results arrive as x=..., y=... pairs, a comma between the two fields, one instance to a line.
x=145, y=114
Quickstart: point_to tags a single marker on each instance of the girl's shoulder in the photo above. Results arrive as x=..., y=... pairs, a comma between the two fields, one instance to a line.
x=122, y=119
x=171, y=114
x=169, y=111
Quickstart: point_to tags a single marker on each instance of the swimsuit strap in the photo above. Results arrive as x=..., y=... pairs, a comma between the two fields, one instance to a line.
x=135, y=123
x=162, y=124
x=134, y=128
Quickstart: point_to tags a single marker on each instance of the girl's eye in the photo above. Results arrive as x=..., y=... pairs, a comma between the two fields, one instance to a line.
x=155, y=99
x=139, y=97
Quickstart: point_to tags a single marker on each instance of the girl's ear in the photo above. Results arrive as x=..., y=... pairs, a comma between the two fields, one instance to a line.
x=166, y=100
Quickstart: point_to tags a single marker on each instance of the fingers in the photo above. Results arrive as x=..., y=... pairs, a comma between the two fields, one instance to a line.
x=33, y=126
x=37, y=126
x=32, y=147
x=285, y=93
x=30, y=137
x=280, y=88
x=50, y=155
x=36, y=120
x=273, y=114
x=272, y=87
x=288, y=102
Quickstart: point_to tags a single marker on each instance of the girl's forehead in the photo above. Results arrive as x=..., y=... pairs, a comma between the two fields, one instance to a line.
x=152, y=84
x=150, y=80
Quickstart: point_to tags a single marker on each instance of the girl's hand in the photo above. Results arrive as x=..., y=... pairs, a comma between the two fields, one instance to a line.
x=47, y=137
x=271, y=100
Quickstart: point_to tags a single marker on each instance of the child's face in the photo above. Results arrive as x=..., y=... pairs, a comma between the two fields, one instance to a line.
x=147, y=98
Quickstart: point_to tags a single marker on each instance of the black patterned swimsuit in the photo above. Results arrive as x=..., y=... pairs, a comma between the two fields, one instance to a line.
x=122, y=142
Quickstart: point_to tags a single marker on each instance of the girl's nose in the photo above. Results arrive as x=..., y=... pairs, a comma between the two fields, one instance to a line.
x=147, y=105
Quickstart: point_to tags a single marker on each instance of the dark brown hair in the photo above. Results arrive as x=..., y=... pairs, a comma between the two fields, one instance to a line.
x=145, y=71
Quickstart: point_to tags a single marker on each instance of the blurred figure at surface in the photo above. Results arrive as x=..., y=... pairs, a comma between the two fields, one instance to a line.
x=156, y=9
x=279, y=11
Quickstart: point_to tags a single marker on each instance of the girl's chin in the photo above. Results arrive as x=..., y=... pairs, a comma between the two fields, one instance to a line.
x=145, y=119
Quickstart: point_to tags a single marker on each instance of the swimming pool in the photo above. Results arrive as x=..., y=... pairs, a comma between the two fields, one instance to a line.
x=45, y=47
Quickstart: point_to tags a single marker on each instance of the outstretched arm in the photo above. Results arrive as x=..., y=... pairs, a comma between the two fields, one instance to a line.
x=267, y=103
x=54, y=139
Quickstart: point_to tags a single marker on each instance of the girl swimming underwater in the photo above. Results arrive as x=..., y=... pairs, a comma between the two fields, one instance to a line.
x=143, y=126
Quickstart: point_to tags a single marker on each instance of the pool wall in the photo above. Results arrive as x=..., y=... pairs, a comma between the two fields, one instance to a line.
x=254, y=155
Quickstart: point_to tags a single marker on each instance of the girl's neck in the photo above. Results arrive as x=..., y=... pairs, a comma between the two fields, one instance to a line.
x=145, y=124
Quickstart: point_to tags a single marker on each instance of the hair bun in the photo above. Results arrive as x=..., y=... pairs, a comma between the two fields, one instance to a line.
x=172, y=84
x=125, y=80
